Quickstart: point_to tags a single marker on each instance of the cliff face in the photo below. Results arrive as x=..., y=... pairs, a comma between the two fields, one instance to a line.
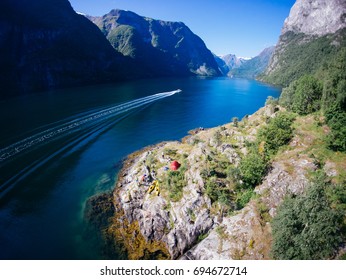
x=164, y=48
x=316, y=17
x=312, y=35
x=45, y=44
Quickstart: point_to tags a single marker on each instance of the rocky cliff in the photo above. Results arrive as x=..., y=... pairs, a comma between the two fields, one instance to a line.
x=316, y=17
x=45, y=44
x=164, y=48
x=197, y=213
x=312, y=35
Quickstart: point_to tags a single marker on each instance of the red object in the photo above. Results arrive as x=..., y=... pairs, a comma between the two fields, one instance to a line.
x=175, y=165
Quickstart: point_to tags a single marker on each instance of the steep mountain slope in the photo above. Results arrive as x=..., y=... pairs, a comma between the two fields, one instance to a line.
x=312, y=35
x=164, y=48
x=253, y=67
x=45, y=44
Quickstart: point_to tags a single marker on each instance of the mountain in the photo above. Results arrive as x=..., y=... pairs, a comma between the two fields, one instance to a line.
x=45, y=44
x=232, y=61
x=162, y=47
x=312, y=35
x=228, y=62
x=231, y=65
x=251, y=68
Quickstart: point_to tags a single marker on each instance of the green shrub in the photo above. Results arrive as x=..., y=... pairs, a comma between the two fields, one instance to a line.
x=218, y=191
x=277, y=133
x=306, y=227
x=272, y=101
x=252, y=168
x=336, y=120
x=175, y=181
x=243, y=197
x=307, y=96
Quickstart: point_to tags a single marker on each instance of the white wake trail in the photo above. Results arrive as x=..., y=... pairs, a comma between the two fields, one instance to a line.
x=78, y=124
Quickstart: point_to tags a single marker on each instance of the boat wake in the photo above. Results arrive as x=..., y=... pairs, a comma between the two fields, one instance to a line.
x=76, y=124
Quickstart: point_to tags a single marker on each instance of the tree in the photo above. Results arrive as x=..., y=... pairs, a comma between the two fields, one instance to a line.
x=252, y=168
x=336, y=120
x=307, y=96
x=277, y=133
x=306, y=227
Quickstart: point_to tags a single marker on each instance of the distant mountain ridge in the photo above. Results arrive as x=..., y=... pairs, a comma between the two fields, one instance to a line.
x=162, y=47
x=228, y=62
x=231, y=65
x=255, y=66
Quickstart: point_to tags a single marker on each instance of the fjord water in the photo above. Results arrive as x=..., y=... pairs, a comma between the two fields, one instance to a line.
x=43, y=190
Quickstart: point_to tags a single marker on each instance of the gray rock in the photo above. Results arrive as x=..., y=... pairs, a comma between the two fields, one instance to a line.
x=318, y=17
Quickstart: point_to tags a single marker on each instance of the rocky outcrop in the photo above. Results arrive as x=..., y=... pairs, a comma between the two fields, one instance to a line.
x=164, y=48
x=178, y=219
x=184, y=220
x=316, y=17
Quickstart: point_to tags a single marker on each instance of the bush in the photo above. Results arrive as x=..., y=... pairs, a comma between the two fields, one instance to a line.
x=277, y=133
x=307, y=95
x=175, y=182
x=217, y=191
x=243, y=198
x=272, y=101
x=336, y=120
x=306, y=227
x=252, y=168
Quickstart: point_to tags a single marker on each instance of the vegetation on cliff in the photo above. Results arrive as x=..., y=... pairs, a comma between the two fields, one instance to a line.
x=312, y=226
x=307, y=226
x=298, y=54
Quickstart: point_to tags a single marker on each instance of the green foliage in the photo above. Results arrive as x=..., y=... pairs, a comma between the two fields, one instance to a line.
x=301, y=55
x=243, y=197
x=272, y=101
x=336, y=120
x=333, y=75
x=252, y=168
x=277, y=133
x=125, y=39
x=218, y=191
x=175, y=182
x=306, y=227
x=303, y=96
x=170, y=152
x=307, y=96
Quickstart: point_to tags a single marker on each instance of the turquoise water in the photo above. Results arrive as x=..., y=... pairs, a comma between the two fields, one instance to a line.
x=44, y=185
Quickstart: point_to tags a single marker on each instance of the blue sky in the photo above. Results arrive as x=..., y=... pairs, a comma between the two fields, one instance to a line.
x=241, y=27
